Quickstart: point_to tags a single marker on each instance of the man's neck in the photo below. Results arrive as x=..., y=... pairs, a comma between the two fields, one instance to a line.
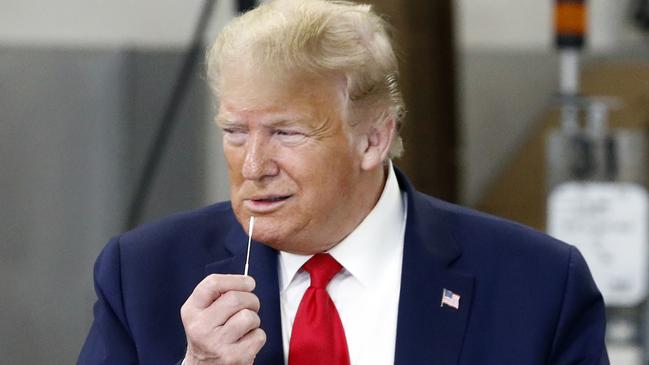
x=370, y=193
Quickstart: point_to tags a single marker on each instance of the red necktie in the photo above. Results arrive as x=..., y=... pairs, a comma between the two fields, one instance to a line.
x=318, y=336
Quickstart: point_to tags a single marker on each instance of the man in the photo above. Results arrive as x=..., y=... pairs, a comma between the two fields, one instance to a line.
x=350, y=264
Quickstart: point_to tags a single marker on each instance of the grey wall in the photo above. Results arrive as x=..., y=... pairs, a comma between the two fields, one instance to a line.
x=73, y=129
x=180, y=184
x=100, y=23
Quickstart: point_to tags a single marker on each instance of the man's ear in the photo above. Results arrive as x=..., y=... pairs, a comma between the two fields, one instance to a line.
x=378, y=140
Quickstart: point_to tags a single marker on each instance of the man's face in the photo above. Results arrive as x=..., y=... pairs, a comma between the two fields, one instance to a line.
x=293, y=160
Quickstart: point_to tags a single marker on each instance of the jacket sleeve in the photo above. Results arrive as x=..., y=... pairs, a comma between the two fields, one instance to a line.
x=109, y=340
x=580, y=333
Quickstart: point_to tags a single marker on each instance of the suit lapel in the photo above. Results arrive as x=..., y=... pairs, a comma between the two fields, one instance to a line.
x=428, y=333
x=263, y=268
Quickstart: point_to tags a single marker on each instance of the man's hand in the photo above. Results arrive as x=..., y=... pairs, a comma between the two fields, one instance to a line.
x=221, y=321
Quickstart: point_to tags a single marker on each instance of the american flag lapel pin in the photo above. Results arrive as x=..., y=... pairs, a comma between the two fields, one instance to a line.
x=450, y=299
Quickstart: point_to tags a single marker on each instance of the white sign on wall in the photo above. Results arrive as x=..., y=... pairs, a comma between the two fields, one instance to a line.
x=609, y=223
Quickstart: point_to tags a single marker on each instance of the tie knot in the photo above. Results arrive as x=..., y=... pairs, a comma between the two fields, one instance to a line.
x=322, y=267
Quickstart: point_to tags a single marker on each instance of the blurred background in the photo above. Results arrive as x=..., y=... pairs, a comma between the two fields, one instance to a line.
x=504, y=116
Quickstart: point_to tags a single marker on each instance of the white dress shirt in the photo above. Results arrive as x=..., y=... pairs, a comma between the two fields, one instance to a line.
x=366, y=290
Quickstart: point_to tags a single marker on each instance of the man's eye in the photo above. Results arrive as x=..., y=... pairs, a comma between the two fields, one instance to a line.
x=289, y=136
x=235, y=135
x=287, y=133
x=232, y=130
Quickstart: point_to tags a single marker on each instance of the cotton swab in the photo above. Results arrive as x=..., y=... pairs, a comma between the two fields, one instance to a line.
x=251, y=225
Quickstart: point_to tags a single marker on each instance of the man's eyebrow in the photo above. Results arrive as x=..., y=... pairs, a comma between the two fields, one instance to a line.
x=222, y=122
x=273, y=123
x=286, y=122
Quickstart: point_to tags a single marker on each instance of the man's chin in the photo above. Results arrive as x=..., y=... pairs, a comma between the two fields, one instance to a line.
x=267, y=231
x=273, y=240
x=272, y=231
x=288, y=243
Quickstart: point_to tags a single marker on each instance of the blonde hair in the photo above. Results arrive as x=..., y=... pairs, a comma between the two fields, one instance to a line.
x=319, y=36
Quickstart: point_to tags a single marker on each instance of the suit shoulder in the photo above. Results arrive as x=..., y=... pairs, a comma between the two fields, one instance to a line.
x=186, y=229
x=481, y=231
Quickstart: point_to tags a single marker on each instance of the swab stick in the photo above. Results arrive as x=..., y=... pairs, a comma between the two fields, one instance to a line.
x=251, y=225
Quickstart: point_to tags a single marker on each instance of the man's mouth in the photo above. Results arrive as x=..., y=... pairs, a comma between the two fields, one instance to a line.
x=271, y=199
x=265, y=204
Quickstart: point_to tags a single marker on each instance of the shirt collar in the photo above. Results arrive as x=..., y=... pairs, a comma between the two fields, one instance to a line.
x=363, y=252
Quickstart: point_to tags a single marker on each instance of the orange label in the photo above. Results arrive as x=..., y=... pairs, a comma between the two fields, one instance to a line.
x=570, y=18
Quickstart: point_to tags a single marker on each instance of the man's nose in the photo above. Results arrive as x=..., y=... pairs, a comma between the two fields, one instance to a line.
x=258, y=162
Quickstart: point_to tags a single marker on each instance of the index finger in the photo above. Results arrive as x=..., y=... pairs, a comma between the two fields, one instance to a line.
x=214, y=285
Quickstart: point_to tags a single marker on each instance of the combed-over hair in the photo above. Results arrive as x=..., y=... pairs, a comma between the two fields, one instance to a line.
x=319, y=36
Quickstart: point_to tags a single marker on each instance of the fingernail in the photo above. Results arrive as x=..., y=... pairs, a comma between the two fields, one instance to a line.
x=250, y=282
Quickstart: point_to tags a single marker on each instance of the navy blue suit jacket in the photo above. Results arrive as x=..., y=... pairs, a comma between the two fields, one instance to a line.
x=526, y=299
